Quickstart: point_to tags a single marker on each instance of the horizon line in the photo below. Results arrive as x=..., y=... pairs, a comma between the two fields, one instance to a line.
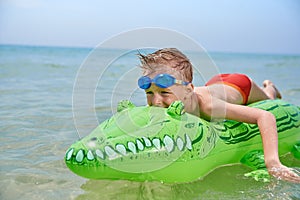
x=91, y=48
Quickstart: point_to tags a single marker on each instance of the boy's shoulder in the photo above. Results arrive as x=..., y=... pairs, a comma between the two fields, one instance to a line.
x=201, y=90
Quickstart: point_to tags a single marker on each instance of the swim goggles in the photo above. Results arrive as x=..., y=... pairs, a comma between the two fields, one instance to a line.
x=161, y=80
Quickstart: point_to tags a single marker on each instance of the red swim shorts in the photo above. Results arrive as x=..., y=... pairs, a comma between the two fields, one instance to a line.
x=240, y=82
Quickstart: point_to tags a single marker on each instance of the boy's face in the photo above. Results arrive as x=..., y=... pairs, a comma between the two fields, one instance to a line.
x=163, y=97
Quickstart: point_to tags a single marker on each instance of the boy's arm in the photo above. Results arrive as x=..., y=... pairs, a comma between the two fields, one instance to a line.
x=268, y=130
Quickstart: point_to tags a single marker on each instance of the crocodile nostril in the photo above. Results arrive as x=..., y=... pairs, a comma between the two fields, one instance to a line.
x=93, y=139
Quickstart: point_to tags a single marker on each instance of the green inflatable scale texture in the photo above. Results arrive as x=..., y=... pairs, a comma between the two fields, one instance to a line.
x=169, y=145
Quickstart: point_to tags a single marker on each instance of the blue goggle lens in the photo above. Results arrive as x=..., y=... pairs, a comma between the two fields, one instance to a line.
x=164, y=80
x=144, y=82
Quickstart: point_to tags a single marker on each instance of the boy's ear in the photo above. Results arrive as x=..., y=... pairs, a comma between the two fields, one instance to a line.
x=190, y=87
x=189, y=90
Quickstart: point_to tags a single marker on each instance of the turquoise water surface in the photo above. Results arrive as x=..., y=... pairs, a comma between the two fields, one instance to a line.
x=37, y=125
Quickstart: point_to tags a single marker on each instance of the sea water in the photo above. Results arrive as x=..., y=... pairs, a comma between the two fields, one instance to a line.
x=37, y=87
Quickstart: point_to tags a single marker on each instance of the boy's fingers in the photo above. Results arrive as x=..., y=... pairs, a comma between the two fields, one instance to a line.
x=287, y=174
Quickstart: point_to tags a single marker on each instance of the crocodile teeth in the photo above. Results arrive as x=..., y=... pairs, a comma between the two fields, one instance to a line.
x=188, y=142
x=131, y=147
x=99, y=153
x=79, y=156
x=121, y=148
x=110, y=152
x=169, y=143
x=90, y=155
x=156, y=143
x=147, y=142
x=179, y=143
x=69, y=154
x=140, y=145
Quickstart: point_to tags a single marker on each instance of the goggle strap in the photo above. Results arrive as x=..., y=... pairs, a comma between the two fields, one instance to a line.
x=180, y=82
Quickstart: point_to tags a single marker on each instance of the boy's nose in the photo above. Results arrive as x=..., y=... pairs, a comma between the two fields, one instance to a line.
x=157, y=100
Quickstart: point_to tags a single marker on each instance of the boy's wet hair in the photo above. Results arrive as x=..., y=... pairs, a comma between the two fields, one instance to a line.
x=167, y=57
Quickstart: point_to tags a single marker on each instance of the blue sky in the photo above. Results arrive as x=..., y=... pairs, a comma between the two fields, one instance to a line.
x=258, y=26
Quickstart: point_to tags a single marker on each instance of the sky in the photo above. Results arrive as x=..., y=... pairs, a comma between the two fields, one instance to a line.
x=256, y=26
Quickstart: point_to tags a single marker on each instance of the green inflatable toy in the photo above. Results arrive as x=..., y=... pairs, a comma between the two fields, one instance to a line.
x=169, y=145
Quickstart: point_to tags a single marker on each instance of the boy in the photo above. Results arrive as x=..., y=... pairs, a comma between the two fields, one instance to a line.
x=224, y=96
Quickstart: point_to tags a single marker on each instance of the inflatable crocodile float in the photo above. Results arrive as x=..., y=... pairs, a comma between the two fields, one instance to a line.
x=168, y=145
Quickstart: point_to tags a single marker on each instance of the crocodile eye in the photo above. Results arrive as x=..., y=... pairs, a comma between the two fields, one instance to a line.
x=176, y=109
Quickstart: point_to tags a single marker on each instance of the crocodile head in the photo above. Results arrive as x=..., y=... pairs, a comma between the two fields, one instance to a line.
x=135, y=142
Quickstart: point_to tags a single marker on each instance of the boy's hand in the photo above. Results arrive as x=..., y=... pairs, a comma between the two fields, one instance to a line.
x=282, y=172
